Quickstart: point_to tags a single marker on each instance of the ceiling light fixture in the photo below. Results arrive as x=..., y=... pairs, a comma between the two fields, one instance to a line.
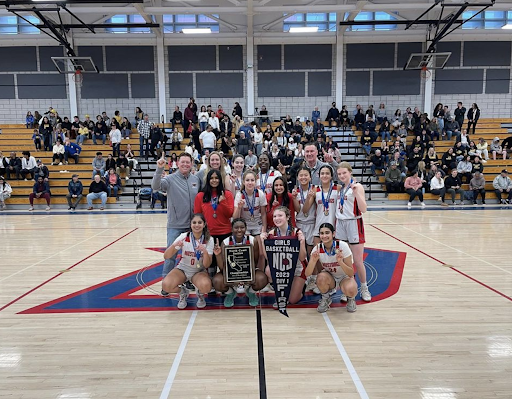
x=196, y=30
x=303, y=29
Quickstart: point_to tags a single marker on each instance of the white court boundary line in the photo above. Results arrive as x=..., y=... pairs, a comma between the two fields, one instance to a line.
x=63, y=250
x=446, y=245
x=177, y=359
x=352, y=371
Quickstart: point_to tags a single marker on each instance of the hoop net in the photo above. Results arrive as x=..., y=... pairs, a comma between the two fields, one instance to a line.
x=425, y=73
x=78, y=77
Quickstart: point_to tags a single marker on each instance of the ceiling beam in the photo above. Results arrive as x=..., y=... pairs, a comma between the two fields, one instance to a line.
x=148, y=19
x=353, y=14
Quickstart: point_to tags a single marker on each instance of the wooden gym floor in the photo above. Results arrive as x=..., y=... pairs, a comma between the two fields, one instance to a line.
x=445, y=334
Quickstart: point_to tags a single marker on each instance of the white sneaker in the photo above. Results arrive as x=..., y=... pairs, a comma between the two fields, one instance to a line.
x=324, y=303
x=201, y=303
x=311, y=283
x=31, y=208
x=343, y=297
x=127, y=178
x=52, y=164
x=351, y=305
x=423, y=205
x=365, y=294
x=182, y=304
x=60, y=163
x=240, y=289
x=409, y=205
x=48, y=208
x=267, y=288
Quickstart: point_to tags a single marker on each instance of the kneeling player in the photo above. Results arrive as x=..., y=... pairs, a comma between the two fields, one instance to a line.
x=335, y=259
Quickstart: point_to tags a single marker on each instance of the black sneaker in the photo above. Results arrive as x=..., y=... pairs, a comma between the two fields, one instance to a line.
x=70, y=208
x=190, y=286
x=164, y=293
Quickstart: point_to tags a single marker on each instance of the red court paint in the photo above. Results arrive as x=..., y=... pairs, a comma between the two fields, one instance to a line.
x=437, y=260
x=65, y=270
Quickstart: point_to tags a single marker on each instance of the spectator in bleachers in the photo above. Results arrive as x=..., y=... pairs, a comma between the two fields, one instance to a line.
x=472, y=149
x=381, y=113
x=507, y=144
x=425, y=138
x=28, y=165
x=177, y=117
x=243, y=144
x=117, y=117
x=423, y=175
x=264, y=116
x=288, y=122
x=274, y=156
x=89, y=124
x=122, y=166
x=464, y=168
x=408, y=122
x=439, y=115
x=202, y=117
x=37, y=138
x=437, y=187
x=478, y=166
x=237, y=110
x=115, y=140
x=344, y=118
x=481, y=149
x=173, y=163
x=297, y=127
x=413, y=158
x=463, y=138
x=130, y=156
x=3, y=164
x=384, y=130
x=13, y=166
x=459, y=151
x=109, y=163
x=308, y=131
x=282, y=141
x=459, y=113
x=431, y=158
x=434, y=129
x=257, y=140
x=82, y=134
x=42, y=171
x=503, y=187
x=5, y=192
x=58, y=152
x=71, y=150
x=413, y=186
x=75, y=190
x=66, y=126
x=371, y=126
x=453, y=185
x=37, y=118
x=113, y=182
x=139, y=115
x=418, y=143
x=315, y=116
x=397, y=146
x=421, y=125
x=320, y=130
x=416, y=115
x=394, y=179
x=105, y=117
x=251, y=160
x=176, y=139
x=75, y=126
x=226, y=126
x=497, y=149
x=448, y=161
x=46, y=130
x=144, y=128
x=208, y=140
x=366, y=142
x=29, y=120
x=377, y=162
x=396, y=119
x=100, y=130
x=473, y=116
x=477, y=185
x=432, y=172
x=359, y=120
x=400, y=163
x=370, y=113
x=41, y=189
x=98, y=165
x=97, y=189
x=126, y=128
x=333, y=116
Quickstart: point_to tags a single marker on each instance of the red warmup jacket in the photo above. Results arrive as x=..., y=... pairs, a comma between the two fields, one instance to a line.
x=222, y=223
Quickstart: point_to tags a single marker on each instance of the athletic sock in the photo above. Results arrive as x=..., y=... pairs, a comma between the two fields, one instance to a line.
x=229, y=291
x=250, y=289
x=364, y=285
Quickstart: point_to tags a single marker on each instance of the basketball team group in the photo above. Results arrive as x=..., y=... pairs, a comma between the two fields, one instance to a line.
x=223, y=206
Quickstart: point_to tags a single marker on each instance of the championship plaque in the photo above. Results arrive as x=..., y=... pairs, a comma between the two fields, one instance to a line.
x=239, y=266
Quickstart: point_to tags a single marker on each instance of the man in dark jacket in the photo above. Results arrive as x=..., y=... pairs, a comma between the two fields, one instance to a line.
x=122, y=166
x=459, y=112
x=13, y=165
x=453, y=186
x=333, y=116
x=75, y=189
x=226, y=126
x=243, y=144
x=41, y=190
x=97, y=189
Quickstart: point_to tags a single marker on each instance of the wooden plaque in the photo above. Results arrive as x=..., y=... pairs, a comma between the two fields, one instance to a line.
x=239, y=264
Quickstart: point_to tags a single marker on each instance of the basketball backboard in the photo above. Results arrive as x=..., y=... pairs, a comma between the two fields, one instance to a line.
x=428, y=60
x=72, y=64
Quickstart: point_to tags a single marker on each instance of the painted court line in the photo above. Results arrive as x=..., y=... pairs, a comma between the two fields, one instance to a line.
x=452, y=268
x=63, y=250
x=352, y=371
x=65, y=270
x=177, y=359
x=448, y=246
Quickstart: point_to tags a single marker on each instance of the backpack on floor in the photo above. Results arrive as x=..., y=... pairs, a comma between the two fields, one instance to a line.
x=468, y=195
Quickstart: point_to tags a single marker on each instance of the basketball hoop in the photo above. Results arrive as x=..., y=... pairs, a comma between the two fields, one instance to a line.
x=78, y=77
x=425, y=73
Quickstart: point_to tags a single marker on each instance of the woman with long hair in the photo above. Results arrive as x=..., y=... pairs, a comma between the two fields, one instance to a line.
x=280, y=197
x=334, y=258
x=237, y=172
x=283, y=228
x=215, y=161
x=197, y=248
x=473, y=116
x=203, y=118
x=251, y=205
x=46, y=130
x=217, y=205
x=306, y=210
x=350, y=207
x=238, y=237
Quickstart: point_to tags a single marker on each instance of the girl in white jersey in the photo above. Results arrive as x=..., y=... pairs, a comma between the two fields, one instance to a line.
x=351, y=205
x=237, y=173
x=251, y=205
x=306, y=216
x=260, y=281
x=266, y=177
x=284, y=229
x=197, y=248
x=335, y=260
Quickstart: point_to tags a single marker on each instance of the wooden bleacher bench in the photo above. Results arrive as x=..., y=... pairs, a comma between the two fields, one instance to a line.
x=54, y=200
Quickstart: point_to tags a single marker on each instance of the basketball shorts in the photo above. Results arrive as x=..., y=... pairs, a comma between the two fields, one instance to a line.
x=350, y=230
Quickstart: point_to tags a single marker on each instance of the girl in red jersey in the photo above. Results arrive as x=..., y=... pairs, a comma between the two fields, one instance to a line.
x=335, y=261
x=350, y=207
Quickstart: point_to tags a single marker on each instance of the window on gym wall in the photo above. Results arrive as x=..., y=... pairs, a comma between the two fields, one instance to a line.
x=487, y=19
x=373, y=16
x=13, y=25
x=126, y=19
x=324, y=21
x=176, y=23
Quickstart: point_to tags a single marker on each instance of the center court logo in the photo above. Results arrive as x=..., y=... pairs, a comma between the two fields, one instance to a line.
x=125, y=293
